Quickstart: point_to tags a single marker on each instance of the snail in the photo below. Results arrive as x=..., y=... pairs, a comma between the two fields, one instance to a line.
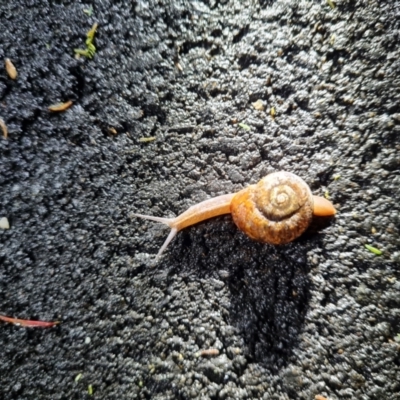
x=276, y=210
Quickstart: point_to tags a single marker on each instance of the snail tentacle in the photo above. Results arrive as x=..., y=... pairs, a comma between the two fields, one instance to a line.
x=171, y=235
x=165, y=221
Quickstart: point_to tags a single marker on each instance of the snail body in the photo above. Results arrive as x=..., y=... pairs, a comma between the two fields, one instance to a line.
x=276, y=210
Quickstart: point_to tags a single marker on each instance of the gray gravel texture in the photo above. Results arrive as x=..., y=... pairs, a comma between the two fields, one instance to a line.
x=319, y=316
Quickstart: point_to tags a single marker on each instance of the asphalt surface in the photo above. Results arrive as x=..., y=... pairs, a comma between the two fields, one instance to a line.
x=320, y=316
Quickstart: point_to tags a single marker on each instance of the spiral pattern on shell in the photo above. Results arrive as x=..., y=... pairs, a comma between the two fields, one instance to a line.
x=277, y=210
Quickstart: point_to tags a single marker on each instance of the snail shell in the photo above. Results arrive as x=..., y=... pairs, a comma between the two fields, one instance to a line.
x=276, y=210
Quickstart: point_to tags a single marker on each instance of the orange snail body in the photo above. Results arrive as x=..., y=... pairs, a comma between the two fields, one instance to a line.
x=276, y=210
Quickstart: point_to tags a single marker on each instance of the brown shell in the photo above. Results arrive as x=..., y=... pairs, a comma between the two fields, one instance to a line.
x=276, y=210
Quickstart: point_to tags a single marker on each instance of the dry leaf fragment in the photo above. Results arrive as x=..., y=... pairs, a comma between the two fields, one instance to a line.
x=373, y=250
x=208, y=353
x=179, y=67
x=258, y=105
x=11, y=70
x=244, y=126
x=112, y=130
x=60, y=106
x=147, y=139
x=3, y=127
x=88, y=11
x=331, y=4
x=319, y=397
x=90, y=47
x=90, y=34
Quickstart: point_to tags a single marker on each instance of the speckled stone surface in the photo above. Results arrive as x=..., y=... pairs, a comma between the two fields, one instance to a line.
x=319, y=316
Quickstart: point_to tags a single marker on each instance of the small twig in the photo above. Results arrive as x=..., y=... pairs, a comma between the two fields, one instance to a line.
x=28, y=323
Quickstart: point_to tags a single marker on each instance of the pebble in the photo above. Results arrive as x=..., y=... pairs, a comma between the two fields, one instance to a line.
x=4, y=224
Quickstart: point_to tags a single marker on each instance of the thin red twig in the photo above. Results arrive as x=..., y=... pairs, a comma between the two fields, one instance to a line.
x=28, y=323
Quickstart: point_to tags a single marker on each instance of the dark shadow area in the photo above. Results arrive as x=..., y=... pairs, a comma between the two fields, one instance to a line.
x=269, y=285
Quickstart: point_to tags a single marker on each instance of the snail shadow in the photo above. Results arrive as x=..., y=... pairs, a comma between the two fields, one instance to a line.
x=269, y=285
